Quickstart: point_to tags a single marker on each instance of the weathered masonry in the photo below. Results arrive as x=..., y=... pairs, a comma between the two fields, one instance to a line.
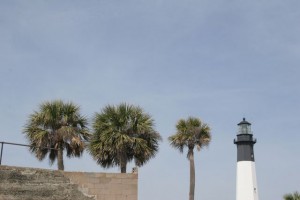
x=19, y=183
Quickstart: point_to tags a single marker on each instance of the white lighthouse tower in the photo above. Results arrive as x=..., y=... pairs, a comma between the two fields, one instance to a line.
x=246, y=185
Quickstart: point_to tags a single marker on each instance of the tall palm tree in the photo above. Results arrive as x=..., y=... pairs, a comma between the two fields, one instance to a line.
x=121, y=134
x=292, y=196
x=56, y=127
x=190, y=133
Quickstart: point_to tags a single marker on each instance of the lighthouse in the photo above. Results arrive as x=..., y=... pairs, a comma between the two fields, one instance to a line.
x=246, y=184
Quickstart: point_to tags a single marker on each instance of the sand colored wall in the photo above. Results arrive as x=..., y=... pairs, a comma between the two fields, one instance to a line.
x=106, y=186
x=20, y=183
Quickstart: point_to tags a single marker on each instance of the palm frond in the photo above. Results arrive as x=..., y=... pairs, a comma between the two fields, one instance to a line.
x=123, y=132
x=56, y=124
x=190, y=133
x=292, y=196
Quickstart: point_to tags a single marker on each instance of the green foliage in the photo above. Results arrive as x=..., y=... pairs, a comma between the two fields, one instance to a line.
x=121, y=134
x=56, y=125
x=190, y=133
x=292, y=196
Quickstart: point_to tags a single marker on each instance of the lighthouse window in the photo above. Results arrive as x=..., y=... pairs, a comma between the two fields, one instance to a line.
x=245, y=129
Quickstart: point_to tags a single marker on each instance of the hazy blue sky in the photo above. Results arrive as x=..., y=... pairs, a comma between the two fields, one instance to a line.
x=219, y=60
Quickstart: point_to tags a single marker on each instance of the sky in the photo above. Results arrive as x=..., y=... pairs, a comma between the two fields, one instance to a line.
x=218, y=60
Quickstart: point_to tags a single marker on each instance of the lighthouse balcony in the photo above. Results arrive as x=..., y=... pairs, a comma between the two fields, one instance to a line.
x=244, y=138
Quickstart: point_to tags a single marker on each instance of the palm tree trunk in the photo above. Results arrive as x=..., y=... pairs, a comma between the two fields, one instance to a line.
x=123, y=168
x=60, y=159
x=123, y=163
x=192, y=174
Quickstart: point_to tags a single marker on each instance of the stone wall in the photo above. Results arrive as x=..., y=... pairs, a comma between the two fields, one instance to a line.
x=18, y=183
x=106, y=186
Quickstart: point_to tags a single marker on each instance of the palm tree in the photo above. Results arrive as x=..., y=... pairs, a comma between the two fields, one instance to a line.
x=190, y=133
x=293, y=196
x=57, y=126
x=121, y=134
